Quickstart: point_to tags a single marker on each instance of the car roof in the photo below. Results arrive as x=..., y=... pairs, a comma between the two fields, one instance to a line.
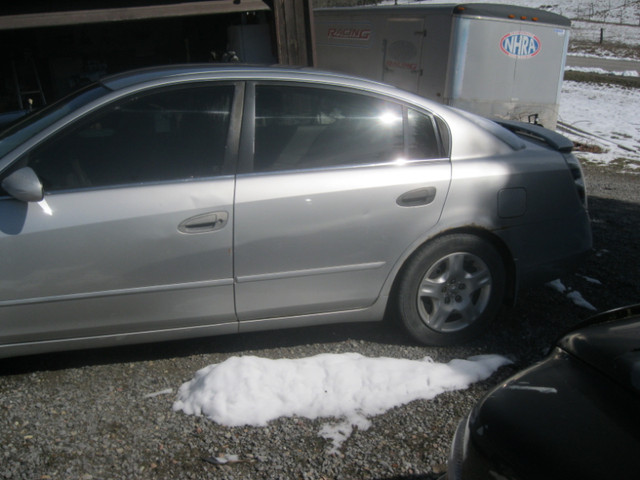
x=234, y=70
x=237, y=71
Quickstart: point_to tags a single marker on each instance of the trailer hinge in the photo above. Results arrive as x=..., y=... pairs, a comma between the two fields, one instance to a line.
x=422, y=33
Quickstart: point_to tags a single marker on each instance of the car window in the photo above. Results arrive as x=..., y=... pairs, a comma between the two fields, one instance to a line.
x=33, y=123
x=168, y=134
x=305, y=127
x=422, y=139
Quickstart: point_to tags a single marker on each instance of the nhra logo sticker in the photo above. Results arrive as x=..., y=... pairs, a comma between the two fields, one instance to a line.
x=520, y=45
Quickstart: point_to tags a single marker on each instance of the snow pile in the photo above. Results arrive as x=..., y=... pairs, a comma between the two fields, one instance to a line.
x=250, y=390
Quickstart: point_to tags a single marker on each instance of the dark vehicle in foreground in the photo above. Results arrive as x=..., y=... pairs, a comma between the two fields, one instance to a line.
x=196, y=200
x=576, y=414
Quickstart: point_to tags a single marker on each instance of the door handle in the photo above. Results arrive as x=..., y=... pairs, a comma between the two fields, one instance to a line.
x=205, y=222
x=415, y=198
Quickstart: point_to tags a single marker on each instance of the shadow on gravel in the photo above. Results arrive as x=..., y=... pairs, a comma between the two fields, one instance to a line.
x=377, y=332
x=616, y=259
x=608, y=279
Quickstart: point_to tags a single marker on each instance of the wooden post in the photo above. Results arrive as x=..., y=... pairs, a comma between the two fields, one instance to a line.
x=294, y=32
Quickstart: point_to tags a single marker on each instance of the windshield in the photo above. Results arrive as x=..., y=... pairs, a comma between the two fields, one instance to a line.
x=33, y=124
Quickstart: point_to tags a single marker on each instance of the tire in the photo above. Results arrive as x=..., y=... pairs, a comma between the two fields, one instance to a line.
x=451, y=289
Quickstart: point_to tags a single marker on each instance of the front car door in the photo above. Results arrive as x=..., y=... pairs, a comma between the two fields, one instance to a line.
x=336, y=188
x=135, y=232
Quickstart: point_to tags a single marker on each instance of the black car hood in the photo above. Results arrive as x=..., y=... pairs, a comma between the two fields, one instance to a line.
x=612, y=345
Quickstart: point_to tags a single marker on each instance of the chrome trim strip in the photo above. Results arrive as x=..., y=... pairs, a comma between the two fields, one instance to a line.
x=113, y=293
x=310, y=272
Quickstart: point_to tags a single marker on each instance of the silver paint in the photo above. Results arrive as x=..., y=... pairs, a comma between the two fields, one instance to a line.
x=109, y=266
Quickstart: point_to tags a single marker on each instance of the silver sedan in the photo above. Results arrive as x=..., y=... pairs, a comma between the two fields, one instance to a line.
x=197, y=200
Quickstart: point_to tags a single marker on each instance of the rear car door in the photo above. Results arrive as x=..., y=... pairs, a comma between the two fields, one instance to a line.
x=135, y=231
x=336, y=186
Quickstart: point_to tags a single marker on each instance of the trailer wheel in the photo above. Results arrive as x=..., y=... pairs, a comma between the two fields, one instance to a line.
x=451, y=289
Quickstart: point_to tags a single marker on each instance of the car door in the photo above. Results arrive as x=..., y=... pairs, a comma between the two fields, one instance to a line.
x=135, y=230
x=337, y=185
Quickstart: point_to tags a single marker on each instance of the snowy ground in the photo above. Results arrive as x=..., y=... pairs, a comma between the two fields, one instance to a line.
x=606, y=120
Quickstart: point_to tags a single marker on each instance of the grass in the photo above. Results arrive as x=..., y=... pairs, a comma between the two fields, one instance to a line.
x=585, y=147
x=625, y=164
x=602, y=78
x=611, y=49
x=618, y=50
x=615, y=49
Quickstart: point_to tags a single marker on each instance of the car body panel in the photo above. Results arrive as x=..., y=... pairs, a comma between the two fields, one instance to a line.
x=296, y=232
x=578, y=423
x=575, y=414
x=529, y=230
x=115, y=247
x=611, y=347
x=249, y=250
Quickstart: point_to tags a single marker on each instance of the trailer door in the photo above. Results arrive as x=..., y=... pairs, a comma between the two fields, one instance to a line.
x=507, y=68
x=402, y=52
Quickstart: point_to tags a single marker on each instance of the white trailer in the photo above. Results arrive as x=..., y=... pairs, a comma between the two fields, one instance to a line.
x=495, y=60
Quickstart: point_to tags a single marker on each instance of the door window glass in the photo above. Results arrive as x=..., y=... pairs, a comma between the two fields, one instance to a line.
x=168, y=134
x=302, y=127
x=422, y=138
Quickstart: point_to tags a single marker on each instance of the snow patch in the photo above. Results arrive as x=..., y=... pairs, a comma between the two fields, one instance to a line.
x=602, y=115
x=573, y=295
x=595, y=281
x=349, y=387
x=602, y=71
x=577, y=298
x=166, y=391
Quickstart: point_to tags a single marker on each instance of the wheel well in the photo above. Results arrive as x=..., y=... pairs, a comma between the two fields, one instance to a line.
x=507, y=260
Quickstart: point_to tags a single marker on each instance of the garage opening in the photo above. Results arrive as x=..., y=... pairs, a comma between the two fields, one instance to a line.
x=45, y=55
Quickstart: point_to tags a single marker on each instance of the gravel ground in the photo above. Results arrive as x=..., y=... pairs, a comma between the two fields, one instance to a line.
x=87, y=415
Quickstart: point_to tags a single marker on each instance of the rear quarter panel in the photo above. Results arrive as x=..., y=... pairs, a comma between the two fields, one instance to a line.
x=528, y=199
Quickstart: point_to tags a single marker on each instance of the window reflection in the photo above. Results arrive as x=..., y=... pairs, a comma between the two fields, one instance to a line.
x=389, y=118
x=307, y=127
x=299, y=127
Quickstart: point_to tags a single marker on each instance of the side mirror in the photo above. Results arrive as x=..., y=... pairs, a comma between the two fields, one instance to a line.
x=24, y=185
